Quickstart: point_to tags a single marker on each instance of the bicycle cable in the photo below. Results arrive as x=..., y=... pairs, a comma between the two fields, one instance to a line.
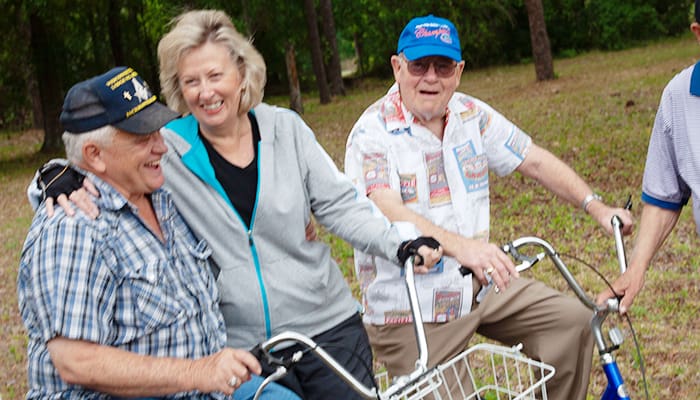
x=642, y=368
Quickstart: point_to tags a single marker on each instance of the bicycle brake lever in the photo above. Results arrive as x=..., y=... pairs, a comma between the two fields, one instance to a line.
x=265, y=357
x=628, y=203
x=525, y=261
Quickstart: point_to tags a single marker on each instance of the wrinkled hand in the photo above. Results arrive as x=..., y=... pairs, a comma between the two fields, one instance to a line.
x=603, y=214
x=215, y=372
x=80, y=198
x=487, y=259
x=628, y=285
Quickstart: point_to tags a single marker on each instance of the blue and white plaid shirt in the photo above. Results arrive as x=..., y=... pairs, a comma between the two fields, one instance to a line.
x=112, y=281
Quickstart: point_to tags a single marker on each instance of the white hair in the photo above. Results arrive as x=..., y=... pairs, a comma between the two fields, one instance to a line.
x=73, y=142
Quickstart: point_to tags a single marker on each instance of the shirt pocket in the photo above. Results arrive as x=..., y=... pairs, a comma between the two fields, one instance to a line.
x=153, y=297
x=197, y=259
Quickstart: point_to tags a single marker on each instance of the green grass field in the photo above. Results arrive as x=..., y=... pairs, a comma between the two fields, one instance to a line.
x=597, y=116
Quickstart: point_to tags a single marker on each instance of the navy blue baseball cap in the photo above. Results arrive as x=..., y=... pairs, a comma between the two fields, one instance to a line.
x=429, y=36
x=119, y=98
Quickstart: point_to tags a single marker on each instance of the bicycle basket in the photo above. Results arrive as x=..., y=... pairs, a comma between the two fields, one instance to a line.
x=484, y=372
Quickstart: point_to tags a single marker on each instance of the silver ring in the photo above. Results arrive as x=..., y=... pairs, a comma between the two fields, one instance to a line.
x=233, y=382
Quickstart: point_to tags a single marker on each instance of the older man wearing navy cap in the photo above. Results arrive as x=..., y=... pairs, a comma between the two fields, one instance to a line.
x=125, y=304
x=423, y=154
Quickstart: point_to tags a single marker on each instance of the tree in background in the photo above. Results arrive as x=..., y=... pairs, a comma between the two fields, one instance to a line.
x=51, y=44
x=47, y=59
x=324, y=91
x=541, y=52
x=333, y=69
x=295, y=102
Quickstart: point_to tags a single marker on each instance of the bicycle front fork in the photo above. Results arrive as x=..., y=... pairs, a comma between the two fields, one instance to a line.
x=616, y=389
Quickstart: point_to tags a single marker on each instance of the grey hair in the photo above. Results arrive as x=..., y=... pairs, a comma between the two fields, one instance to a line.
x=193, y=29
x=73, y=142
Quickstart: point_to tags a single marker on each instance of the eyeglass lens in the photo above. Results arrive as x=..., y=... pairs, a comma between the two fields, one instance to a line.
x=443, y=68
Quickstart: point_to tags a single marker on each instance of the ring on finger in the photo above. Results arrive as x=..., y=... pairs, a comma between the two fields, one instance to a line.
x=233, y=381
x=489, y=270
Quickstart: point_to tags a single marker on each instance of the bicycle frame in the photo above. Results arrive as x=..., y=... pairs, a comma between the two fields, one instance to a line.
x=615, y=389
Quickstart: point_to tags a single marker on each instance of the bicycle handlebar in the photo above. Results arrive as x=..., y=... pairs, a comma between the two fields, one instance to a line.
x=600, y=312
x=262, y=351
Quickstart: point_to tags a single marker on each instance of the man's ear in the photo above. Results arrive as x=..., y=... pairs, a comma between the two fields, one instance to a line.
x=458, y=73
x=93, y=157
x=396, y=66
x=695, y=28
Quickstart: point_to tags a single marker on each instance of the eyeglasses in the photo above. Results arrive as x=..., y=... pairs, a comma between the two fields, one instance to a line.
x=444, y=67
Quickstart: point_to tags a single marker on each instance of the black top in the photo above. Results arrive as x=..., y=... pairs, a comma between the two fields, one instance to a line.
x=240, y=184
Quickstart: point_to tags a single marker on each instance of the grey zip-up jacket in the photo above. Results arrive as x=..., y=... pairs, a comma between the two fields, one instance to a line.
x=270, y=277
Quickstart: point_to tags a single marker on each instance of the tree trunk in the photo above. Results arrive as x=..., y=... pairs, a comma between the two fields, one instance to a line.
x=541, y=51
x=358, y=54
x=151, y=68
x=25, y=35
x=335, y=73
x=316, y=54
x=46, y=56
x=114, y=25
x=293, y=78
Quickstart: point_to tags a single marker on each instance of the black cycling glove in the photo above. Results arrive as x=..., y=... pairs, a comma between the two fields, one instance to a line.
x=410, y=248
x=56, y=179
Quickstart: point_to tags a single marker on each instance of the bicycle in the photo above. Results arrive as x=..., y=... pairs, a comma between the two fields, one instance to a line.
x=496, y=370
x=505, y=373
x=615, y=388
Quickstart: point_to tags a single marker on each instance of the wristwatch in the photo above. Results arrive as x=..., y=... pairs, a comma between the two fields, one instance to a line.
x=588, y=199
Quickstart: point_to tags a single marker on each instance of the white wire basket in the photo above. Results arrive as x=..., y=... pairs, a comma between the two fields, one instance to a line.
x=482, y=372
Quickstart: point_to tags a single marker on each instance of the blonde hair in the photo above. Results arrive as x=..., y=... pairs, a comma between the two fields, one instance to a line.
x=73, y=142
x=195, y=28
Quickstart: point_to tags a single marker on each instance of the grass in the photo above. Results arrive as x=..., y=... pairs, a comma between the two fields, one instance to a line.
x=596, y=116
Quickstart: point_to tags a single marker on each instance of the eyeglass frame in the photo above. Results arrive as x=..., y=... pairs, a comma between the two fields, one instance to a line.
x=412, y=64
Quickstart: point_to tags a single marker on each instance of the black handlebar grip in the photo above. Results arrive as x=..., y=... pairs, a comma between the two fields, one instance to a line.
x=465, y=271
x=258, y=353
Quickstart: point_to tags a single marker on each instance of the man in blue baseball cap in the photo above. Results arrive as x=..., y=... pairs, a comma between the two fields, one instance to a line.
x=423, y=153
x=124, y=305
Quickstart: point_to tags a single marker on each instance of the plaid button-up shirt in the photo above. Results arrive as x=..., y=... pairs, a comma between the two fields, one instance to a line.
x=113, y=282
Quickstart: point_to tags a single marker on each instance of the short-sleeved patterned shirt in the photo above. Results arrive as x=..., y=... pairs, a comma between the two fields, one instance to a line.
x=672, y=171
x=445, y=181
x=111, y=281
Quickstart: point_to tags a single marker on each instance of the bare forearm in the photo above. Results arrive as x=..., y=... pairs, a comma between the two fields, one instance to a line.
x=654, y=227
x=391, y=205
x=560, y=179
x=119, y=373
x=555, y=175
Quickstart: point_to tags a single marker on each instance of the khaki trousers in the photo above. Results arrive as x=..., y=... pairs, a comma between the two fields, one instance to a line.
x=553, y=328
